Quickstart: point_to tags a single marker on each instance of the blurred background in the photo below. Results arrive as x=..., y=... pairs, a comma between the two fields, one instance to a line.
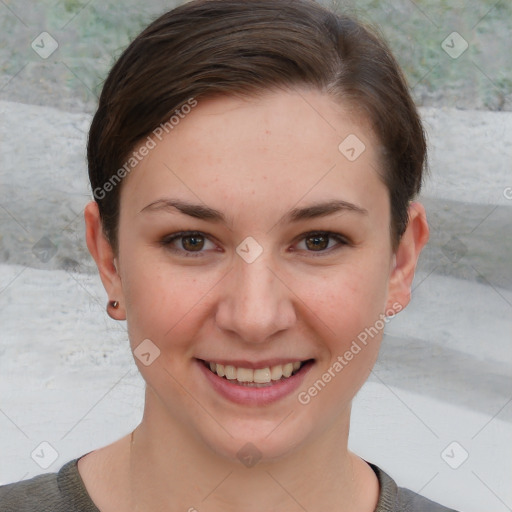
x=92, y=34
x=436, y=412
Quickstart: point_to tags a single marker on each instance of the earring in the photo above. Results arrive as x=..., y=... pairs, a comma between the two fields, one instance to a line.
x=112, y=304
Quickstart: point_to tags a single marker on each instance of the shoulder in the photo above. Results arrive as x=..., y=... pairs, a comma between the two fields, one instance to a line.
x=51, y=492
x=398, y=499
x=409, y=501
x=38, y=493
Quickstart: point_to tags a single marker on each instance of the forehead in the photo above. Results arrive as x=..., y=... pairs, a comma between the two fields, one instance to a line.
x=259, y=152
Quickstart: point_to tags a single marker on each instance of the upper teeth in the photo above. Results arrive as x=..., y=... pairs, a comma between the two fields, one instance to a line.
x=260, y=375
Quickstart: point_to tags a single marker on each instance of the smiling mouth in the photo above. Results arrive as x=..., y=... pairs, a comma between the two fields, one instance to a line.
x=259, y=377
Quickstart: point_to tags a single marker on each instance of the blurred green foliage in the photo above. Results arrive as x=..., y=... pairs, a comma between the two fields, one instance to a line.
x=479, y=78
x=92, y=34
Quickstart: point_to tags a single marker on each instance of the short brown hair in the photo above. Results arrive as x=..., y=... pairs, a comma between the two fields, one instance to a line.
x=247, y=47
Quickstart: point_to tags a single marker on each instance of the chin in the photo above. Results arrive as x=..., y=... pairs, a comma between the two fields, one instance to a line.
x=255, y=442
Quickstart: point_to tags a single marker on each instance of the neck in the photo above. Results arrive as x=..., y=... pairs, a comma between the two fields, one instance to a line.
x=170, y=469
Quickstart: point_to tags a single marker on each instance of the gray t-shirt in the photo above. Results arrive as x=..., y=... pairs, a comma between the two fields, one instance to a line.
x=65, y=492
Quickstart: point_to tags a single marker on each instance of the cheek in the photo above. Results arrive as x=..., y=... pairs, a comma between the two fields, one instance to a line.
x=348, y=299
x=152, y=297
x=164, y=302
x=349, y=306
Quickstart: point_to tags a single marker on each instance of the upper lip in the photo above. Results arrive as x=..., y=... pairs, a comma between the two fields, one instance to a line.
x=243, y=363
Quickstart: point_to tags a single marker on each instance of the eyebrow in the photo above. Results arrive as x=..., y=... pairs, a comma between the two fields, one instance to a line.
x=203, y=212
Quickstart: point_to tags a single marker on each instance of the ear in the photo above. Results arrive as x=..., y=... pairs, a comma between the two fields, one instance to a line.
x=103, y=255
x=406, y=257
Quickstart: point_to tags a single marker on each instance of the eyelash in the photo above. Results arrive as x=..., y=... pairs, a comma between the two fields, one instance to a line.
x=169, y=239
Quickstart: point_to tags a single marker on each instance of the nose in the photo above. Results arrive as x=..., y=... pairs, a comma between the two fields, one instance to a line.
x=256, y=302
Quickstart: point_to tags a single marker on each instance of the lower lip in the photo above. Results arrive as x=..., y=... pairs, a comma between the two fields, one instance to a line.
x=252, y=395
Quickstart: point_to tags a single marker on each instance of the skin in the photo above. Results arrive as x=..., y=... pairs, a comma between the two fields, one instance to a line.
x=254, y=160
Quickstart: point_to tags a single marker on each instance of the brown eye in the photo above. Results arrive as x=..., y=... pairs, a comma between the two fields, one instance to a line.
x=191, y=242
x=318, y=242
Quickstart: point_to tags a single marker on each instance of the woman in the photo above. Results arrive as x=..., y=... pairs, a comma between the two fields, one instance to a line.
x=254, y=165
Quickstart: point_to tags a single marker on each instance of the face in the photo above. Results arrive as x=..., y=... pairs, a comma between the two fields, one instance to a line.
x=257, y=275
